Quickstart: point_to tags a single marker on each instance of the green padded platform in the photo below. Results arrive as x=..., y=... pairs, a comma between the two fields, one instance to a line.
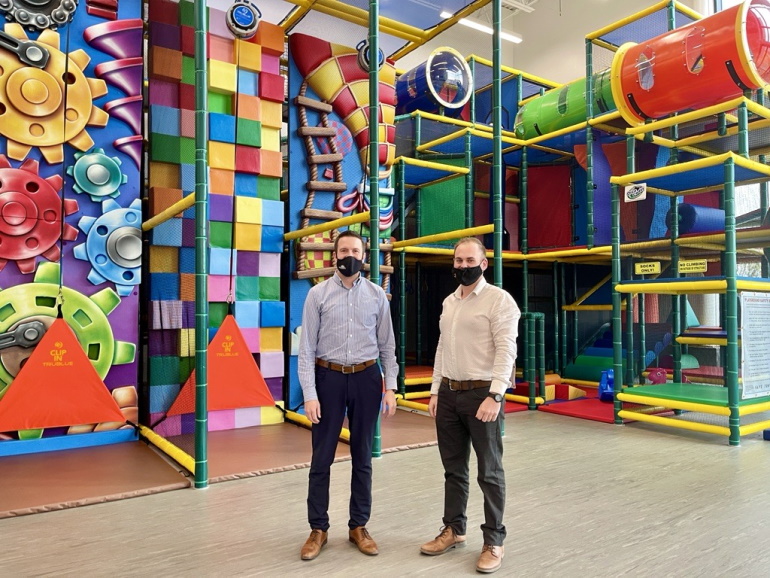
x=692, y=392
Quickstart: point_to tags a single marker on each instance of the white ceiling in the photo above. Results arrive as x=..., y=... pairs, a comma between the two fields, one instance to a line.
x=554, y=32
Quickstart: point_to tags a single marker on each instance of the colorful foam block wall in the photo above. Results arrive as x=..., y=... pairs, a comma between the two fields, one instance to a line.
x=246, y=215
x=86, y=184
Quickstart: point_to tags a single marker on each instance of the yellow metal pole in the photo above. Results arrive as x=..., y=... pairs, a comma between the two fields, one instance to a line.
x=457, y=234
x=328, y=226
x=169, y=213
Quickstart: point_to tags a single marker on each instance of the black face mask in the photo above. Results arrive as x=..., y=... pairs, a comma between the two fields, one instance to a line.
x=468, y=275
x=349, y=266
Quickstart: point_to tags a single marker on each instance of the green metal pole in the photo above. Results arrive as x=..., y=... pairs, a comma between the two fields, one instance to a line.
x=676, y=309
x=617, y=337
x=374, y=168
x=556, y=309
x=496, y=190
x=469, y=188
x=631, y=168
x=523, y=204
x=731, y=305
x=531, y=375
x=563, y=325
x=472, y=66
x=400, y=191
x=418, y=276
x=540, y=320
x=201, y=248
x=630, y=374
x=575, y=316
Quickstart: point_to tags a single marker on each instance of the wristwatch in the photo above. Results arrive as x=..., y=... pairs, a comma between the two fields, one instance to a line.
x=496, y=396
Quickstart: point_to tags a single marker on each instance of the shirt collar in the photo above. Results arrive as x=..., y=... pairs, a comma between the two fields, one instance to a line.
x=338, y=280
x=477, y=289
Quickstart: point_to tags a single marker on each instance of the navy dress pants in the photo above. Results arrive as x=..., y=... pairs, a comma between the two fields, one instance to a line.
x=359, y=396
x=457, y=430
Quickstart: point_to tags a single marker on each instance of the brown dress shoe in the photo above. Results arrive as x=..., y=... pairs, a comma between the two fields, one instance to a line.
x=491, y=559
x=445, y=541
x=313, y=545
x=361, y=538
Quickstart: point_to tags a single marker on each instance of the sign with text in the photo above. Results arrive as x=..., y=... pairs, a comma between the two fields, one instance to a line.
x=755, y=343
x=634, y=193
x=694, y=266
x=647, y=268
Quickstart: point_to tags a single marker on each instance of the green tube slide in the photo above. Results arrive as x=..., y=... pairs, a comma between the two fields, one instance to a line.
x=563, y=107
x=588, y=367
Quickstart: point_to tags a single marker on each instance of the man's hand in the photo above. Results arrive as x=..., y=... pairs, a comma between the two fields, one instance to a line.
x=488, y=410
x=389, y=403
x=313, y=410
x=432, y=405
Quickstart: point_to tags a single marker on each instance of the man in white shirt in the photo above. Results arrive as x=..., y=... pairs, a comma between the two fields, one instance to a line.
x=474, y=362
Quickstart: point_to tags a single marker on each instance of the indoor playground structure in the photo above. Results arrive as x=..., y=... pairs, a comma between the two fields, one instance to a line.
x=174, y=174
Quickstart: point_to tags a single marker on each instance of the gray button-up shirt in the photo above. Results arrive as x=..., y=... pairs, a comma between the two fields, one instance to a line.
x=346, y=326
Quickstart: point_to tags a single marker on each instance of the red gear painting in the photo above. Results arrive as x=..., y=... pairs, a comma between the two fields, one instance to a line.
x=31, y=215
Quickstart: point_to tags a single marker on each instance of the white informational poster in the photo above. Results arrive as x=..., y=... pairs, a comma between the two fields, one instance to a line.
x=755, y=340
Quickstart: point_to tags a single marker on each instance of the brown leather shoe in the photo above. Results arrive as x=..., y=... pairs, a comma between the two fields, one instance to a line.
x=361, y=538
x=491, y=559
x=445, y=541
x=313, y=545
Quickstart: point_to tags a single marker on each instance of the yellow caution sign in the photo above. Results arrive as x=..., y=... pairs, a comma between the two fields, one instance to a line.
x=694, y=266
x=647, y=268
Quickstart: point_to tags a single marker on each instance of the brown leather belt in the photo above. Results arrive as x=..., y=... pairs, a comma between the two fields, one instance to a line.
x=465, y=385
x=346, y=369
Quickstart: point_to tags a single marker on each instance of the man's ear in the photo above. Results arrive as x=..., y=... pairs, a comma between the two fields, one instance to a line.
x=484, y=264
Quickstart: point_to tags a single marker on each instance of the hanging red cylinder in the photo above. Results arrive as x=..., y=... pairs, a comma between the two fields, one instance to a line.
x=704, y=63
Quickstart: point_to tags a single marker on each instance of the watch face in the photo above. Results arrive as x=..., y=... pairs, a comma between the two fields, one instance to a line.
x=496, y=396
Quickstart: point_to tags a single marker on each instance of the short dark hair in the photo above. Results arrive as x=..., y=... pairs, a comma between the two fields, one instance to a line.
x=350, y=233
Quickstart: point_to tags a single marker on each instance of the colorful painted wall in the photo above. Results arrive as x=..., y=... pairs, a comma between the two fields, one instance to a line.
x=70, y=153
x=246, y=215
x=329, y=140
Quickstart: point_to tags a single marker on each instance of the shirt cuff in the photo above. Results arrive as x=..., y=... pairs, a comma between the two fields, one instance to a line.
x=498, y=386
x=391, y=384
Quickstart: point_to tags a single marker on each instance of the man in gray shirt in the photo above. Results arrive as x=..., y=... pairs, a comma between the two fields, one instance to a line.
x=346, y=329
x=474, y=363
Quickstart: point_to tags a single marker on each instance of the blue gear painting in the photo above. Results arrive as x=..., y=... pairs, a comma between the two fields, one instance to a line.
x=97, y=175
x=113, y=246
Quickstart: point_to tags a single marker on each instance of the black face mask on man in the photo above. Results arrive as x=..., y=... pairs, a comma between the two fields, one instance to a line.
x=349, y=266
x=468, y=275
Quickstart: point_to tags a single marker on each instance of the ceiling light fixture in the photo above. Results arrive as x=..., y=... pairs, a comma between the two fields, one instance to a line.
x=517, y=5
x=510, y=37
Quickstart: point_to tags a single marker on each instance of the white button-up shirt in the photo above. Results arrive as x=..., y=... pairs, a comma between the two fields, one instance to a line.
x=478, y=338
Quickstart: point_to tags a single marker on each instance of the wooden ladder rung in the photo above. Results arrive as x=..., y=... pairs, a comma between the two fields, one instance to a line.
x=327, y=186
x=316, y=131
x=320, y=214
x=324, y=159
x=307, y=246
x=312, y=103
x=317, y=272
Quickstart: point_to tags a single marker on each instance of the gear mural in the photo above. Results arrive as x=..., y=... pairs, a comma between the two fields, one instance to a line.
x=32, y=99
x=39, y=14
x=97, y=175
x=87, y=316
x=31, y=215
x=113, y=246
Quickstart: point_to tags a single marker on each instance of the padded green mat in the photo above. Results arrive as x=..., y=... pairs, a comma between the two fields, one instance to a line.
x=692, y=392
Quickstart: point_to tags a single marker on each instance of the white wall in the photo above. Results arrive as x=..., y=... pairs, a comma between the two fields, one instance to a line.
x=554, y=37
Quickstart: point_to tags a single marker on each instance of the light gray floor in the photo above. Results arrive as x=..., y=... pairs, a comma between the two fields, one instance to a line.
x=584, y=499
